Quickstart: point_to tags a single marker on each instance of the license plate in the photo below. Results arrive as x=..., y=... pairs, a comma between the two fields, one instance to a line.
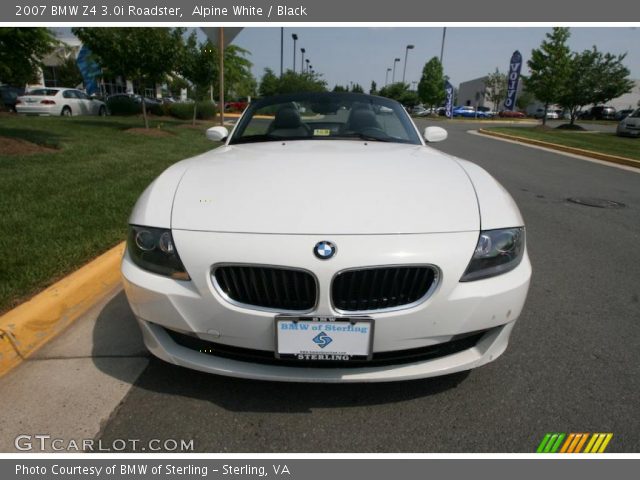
x=324, y=338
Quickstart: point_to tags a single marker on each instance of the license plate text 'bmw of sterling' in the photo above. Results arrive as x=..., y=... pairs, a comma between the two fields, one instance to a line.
x=323, y=338
x=239, y=263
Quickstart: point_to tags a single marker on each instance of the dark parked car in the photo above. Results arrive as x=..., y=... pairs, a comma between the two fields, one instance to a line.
x=149, y=102
x=9, y=96
x=599, y=112
x=622, y=114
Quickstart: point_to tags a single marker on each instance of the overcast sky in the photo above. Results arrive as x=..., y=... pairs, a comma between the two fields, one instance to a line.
x=361, y=54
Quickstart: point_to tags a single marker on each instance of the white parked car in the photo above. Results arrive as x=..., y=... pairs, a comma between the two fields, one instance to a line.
x=330, y=246
x=630, y=125
x=59, y=101
x=551, y=114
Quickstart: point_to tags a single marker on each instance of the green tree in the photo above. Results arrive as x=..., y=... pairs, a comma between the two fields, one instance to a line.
x=496, y=88
x=357, y=88
x=613, y=77
x=594, y=78
x=400, y=92
x=67, y=72
x=199, y=64
x=238, y=79
x=525, y=99
x=340, y=88
x=431, y=86
x=21, y=53
x=394, y=91
x=146, y=54
x=291, y=82
x=373, y=89
x=246, y=86
x=176, y=84
x=268, y=83
x=581, y=85
x=549, y=68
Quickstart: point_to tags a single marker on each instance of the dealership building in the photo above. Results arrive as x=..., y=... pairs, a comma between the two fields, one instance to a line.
x=471, y=93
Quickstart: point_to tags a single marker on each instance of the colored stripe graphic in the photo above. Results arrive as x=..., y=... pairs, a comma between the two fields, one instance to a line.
x=574, y=443
x=550, y=443
x=570, y=438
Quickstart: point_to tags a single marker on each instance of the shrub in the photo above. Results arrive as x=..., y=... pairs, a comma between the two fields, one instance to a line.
x=184, y=111
x=160, y=109
x=206, y=110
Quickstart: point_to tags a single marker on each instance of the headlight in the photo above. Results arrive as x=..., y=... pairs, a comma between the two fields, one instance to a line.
x=497, y=252
x=153, y=249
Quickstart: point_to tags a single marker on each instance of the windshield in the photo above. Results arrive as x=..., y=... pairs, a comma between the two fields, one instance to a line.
x=47, y=92
x=325, y=116
x=635, y=114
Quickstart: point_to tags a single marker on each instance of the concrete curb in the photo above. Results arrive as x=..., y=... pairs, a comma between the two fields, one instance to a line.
x=31, y=325
x=630, y=162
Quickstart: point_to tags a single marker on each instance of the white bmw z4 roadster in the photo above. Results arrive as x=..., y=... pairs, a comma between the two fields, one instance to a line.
x=324, y=241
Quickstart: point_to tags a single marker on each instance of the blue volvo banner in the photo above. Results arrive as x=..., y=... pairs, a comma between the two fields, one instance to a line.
x=512, y=80
x=89, y=69
x=448, y=88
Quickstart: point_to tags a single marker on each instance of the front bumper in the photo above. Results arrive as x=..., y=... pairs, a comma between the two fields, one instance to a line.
x=628, y=131
x=196, y=307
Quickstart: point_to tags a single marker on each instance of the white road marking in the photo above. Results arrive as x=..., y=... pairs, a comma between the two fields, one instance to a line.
x=566, y=154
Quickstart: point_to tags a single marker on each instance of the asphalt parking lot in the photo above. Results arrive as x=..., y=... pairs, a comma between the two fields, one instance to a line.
x=573, y=364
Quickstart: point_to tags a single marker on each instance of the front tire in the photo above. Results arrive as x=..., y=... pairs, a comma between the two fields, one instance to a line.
x=102, y=112
x=66, y=112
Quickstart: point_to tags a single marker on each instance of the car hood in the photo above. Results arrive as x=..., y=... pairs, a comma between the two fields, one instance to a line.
x=325, y=187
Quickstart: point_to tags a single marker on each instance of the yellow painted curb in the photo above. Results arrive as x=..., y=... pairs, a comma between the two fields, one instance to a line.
x=563, y=148
x=29, y=326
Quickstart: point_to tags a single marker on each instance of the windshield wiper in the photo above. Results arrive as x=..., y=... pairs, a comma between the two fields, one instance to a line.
x=267, y=138
x=363, y=136
x=256, y=138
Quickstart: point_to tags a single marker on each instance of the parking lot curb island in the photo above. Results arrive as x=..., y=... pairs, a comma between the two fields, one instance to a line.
x=32, y=324
x=563, y=148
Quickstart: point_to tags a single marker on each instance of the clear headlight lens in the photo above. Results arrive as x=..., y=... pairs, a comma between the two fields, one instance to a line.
x=153, y=249
x=497, y=252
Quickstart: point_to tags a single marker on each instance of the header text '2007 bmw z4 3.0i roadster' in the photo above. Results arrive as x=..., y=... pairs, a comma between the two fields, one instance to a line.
x=326, y=242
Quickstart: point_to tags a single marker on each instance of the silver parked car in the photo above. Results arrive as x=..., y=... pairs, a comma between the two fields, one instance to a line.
x=630, y=126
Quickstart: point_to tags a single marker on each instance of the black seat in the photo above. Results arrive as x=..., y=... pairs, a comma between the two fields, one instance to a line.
x=287, y=123
x=362, y=119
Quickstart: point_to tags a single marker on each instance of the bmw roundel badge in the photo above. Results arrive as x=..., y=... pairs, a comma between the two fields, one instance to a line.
x=324, y=250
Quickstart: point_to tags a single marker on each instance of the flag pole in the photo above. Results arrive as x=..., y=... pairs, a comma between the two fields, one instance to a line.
x=221, y=68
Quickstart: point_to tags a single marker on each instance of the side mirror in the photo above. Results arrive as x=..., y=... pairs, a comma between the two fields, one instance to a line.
x=217, y=134
x=435, y=134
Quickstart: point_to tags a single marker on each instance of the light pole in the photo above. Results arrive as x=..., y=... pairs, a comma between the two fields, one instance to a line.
x=295, y=39
x=302, y=50
x=281, y=50
x=386, y=77
x=406, y=52
x=444, y=34
x=307, y=60
x=393, y=77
